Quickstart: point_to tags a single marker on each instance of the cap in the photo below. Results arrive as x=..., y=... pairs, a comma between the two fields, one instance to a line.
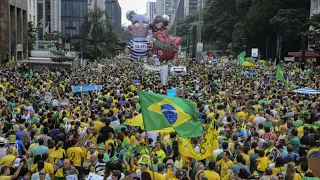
x=17, y=162
x=2, y=141
x=180, y=173
x=13, y=121
x=101, y=147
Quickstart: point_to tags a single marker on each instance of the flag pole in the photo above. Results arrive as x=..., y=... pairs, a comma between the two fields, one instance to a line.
x=147, y=137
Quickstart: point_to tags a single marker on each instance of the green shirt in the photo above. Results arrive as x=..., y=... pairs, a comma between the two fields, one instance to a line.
x=34, y=120
x=295, y=142
x=267, y=124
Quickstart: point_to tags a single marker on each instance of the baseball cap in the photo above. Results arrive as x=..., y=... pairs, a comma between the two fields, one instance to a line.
x=17, y=162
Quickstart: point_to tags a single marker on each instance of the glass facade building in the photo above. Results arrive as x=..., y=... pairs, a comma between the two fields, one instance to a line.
x=72, y=16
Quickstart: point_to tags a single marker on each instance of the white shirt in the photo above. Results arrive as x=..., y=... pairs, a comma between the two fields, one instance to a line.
x=259, y=120
x=26, y=117
x=110, y=177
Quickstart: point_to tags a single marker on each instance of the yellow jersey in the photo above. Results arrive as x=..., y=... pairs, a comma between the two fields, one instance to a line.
x=75, y=154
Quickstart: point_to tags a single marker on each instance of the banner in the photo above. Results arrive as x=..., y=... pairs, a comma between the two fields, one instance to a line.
x=86, y=88
x=94, y=177
x=254, y=52
x=153, y=68
x=289, y=59
x=209, y=144
x=164, y=75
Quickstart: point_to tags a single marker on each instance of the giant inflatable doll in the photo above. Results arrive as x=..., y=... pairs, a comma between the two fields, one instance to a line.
x=139, y=46
x=164, y=45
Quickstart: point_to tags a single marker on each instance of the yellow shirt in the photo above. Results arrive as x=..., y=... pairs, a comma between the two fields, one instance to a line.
x=7, y=160
x=56, y=155
x=32, y=146
x=5, y=177
x=76, y=155
x=300, y=131
x=263, y=163
x=47, y=167
x=224, y=166
x=52, y=150
x=278, y=170
x=110, y=141
x=98, y=124
x=297, y=176
x=158, y=176
x=211, y=175
x=246, y=159
x=161, y=155
x=241, y=114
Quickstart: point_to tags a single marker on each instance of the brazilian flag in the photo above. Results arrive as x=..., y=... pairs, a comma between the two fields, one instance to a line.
x=280, y=75
x=159, y=112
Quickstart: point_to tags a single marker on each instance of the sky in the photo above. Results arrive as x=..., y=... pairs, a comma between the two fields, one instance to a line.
x=139, y=6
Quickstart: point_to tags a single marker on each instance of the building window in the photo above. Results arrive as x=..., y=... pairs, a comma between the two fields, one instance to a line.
x=315, y=4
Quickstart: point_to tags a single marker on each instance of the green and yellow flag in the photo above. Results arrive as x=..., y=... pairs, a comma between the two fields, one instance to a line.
x=159, y=112
x=209, y=144
x=280, y=76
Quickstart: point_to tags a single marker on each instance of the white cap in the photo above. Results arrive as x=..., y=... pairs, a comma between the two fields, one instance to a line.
x=17, y=162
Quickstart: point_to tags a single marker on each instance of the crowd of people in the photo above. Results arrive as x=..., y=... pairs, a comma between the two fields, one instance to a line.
x=265, y=131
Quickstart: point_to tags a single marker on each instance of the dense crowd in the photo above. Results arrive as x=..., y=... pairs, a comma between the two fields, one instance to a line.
x=265, y=131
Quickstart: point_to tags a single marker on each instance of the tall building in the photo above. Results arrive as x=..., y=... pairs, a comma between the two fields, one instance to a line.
x=72, y=16
x=314, y=9
x=151, y=10
x=32, y=11
x=190, y=6
x=49, y=14
x=113, y=11
x=160, y=7
x=101, y=4
x=13, y=30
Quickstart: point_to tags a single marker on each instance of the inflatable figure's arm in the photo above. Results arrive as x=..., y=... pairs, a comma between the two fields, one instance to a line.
x=177, y=42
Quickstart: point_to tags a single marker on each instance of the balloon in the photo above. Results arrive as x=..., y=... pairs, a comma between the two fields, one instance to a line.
x=164, y=45
x=139, y=46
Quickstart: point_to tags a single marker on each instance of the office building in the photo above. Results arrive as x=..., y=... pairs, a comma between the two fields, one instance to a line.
x=113, y=11
x=72, y=16
x=101, y=4
x=314, y=7
x=32, y=11
x=49, y=16
x=13, y=30
x=190, y=6
x=151, y=10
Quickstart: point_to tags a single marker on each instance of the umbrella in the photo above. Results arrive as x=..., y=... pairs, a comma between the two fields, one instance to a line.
x=248, y=64
x=306, y=91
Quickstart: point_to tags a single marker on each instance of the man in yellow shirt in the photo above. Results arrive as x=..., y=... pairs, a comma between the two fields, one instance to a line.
x=76, y=154
x=8, y=159
x=210, y=173
x=225, y=164
x=159, y=152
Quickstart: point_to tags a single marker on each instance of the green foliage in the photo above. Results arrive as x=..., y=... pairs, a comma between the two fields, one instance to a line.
x=57, y=38
x=31, y=37
x=218, y=22
x=314, y=32
x=98, y=38
x=61, y=57
x=235, y=24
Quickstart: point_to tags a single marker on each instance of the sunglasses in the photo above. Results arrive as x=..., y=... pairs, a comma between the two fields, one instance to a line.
x=280, y=177
x=160, y=29
x=42, y=174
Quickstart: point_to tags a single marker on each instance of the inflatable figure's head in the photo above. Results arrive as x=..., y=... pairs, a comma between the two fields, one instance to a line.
x=140, y=24
x=159, y=26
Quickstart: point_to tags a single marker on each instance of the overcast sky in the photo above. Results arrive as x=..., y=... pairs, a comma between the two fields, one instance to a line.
x=139, y=6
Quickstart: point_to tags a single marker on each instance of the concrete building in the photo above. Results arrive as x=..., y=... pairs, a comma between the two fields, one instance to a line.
x=32, y=11
x=151, y=10
x=13, y=30
x=72, y=16
x=49, y=14
x=113, y=11
x=314, y=9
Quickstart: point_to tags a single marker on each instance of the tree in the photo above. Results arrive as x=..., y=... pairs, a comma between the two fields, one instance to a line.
x=31, y=37
x=289, y=23
x=124, y=33
x=218, y=22
x=314, y=32
x=57, y=38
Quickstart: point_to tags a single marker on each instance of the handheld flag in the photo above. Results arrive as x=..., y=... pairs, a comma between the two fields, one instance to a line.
x=280, y=75
x=161, y=112
x=210, y=143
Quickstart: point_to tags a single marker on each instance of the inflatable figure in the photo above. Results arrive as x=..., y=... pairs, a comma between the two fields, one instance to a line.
x=164, y=45
x=139, y=46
